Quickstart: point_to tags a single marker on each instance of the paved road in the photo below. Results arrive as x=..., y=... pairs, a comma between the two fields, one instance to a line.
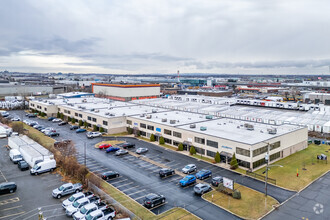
x=140, y=177
x=312, y=203
x=32, y=192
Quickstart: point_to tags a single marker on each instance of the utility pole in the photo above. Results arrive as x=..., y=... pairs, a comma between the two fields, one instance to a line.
x=85, y=154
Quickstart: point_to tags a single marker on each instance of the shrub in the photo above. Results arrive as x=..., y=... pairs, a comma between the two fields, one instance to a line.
x=95, y=128
x=85, y=124
x=58, y=115
x=80, y=123
x=192, y=150
x=61, y=116
x=69, y=118
x=43, y=114
x=152, y=137
x=18, y=127
x=101, y=129
x=237, y=194
x=180, y=148
x=161, y=140
x=73, y=120
x=130, y=130
x=233, y=163
x=217, y=157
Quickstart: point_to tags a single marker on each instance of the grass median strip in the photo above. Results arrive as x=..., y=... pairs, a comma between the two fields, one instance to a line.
x=177, y=213
x=252, y=205
x=112, y=143
x=309, y=168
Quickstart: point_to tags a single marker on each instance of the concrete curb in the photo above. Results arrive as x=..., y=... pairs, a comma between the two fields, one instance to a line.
x=209, y=163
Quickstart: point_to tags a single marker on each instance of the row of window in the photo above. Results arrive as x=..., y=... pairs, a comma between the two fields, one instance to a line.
x=264, y=149
x=89, y=118
x=242, y=151
x=263, y=161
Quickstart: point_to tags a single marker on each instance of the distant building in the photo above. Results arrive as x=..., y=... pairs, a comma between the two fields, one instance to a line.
x=126, y=92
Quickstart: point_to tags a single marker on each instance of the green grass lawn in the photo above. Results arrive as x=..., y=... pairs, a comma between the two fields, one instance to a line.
x=308, y=167
x=112, y=142
x=252, y=205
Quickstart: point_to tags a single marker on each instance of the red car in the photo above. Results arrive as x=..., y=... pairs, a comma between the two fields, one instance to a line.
x=104, y=146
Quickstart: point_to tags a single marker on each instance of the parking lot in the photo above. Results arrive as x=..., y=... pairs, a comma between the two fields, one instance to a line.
x=140, y=177
x=32, y=192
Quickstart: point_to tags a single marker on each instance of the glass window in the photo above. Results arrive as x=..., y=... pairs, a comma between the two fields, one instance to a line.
x=242, y=151
x=212, y=143
x=105, y=123
x=89, y=118
x=199, y=140
x=168, y=132
x=150, y=127
x=129, y=122
x=143, y=125
x=177, y=134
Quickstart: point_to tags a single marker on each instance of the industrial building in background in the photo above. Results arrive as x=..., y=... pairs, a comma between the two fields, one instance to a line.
x=126, y=92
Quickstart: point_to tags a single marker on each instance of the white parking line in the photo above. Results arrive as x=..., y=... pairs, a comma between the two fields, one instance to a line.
x=136, y=192
x=93, y=166
x=170, y=162
x=176, y=179
x=119, y=181
x=148, y=165
x=129, y=188
x=125, y=184
x=3, y=176
x=97, y=170
x=139, y=197
x=173, y=165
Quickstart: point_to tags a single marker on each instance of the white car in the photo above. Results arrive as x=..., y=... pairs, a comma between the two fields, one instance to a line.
x=189, y=168
x=93, y=134
x=48, y=129
x=56, y=120
x=76, y=197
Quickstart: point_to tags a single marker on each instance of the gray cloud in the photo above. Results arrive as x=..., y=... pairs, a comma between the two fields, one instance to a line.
x=161, y=36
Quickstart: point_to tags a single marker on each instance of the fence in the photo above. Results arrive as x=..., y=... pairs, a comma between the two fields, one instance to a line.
x=262, y=177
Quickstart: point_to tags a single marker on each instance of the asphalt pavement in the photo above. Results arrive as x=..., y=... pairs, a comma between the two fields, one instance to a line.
x=311, y=203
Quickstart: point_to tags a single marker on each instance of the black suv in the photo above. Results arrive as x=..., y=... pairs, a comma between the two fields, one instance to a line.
x=109, y=175
x=23, y=165
x=126, y=145
x=151, y=200
x=8, y=187
x=166, y=172
x=217, y=180
x=63, y=123
x=74, y=127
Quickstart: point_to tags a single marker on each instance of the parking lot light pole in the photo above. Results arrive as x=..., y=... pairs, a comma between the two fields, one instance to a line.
x=85, y=154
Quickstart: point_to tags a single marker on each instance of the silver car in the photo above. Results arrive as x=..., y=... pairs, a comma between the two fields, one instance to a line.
x=202, y=188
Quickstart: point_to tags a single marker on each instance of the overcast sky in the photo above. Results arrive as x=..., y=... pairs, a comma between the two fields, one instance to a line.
x=162, y=36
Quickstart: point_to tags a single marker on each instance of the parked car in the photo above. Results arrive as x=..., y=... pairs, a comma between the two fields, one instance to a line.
x=109, y=175
x=141, y=150
x=7, y=187
x=202, y=174
x=217, y=180
x=121, y=152
x=56, y=120
x=80, y=130
x=189, y=168
x=86, y=209
x=112, y=149
x=32, y=123
x=77, y=205
x=23, y=165
x=52, y=134
x=63, y=123
x=15, y=118
x=76, y=197
x=166, y=172
x=31, y=115
x=48, y=129
x=151, y=200
x=202, y=188
x=93, y=134
x=187, y=180
x=106, y=214
x=74, y=127
x=51, y=118
x=104, y=146
x=40, y=128
x=66, y=189
x=126, y=145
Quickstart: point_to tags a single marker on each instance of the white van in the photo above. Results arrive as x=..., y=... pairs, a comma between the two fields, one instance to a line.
x=44, y=166
x=15, y=155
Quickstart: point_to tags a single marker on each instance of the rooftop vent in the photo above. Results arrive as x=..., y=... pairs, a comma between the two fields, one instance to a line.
x=272, y=131
x=149, y=116
x=192, y=126
x=154, y=111
x=142, y=115
x=249, y=127
x=164, y=119
x=172, y=121
x=209, y=117
x=107, y=113
x=97, y=110
x=92, y=110
x=203, y=128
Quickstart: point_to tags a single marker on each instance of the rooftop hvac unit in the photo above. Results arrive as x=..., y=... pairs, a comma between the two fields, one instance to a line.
x=172, y=121
x=83, y=107
x=192, y=126
x=154, y=111
x=249, y=127
x=110, y=108
x=164, y=119
x=149, y=116
x=272, y=131
x=142, y=115
x=92, y=110
x=209, y=117
x=97, y=110
x=203, y=128
x=107, y=113
x=111, y=114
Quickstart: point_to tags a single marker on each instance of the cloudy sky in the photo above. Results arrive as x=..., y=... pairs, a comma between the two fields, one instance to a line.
x=162, y=36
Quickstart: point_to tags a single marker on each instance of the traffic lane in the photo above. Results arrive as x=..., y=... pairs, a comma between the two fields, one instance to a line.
x=311, y=203
x=176, y=196
x=32, y=191
x=179, y=161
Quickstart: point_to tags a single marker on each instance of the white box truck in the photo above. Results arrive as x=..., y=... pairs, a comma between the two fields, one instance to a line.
x=44, y=166
x=15, y=155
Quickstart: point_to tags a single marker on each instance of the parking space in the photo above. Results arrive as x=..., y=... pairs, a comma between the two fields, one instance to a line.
x=32, y=192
